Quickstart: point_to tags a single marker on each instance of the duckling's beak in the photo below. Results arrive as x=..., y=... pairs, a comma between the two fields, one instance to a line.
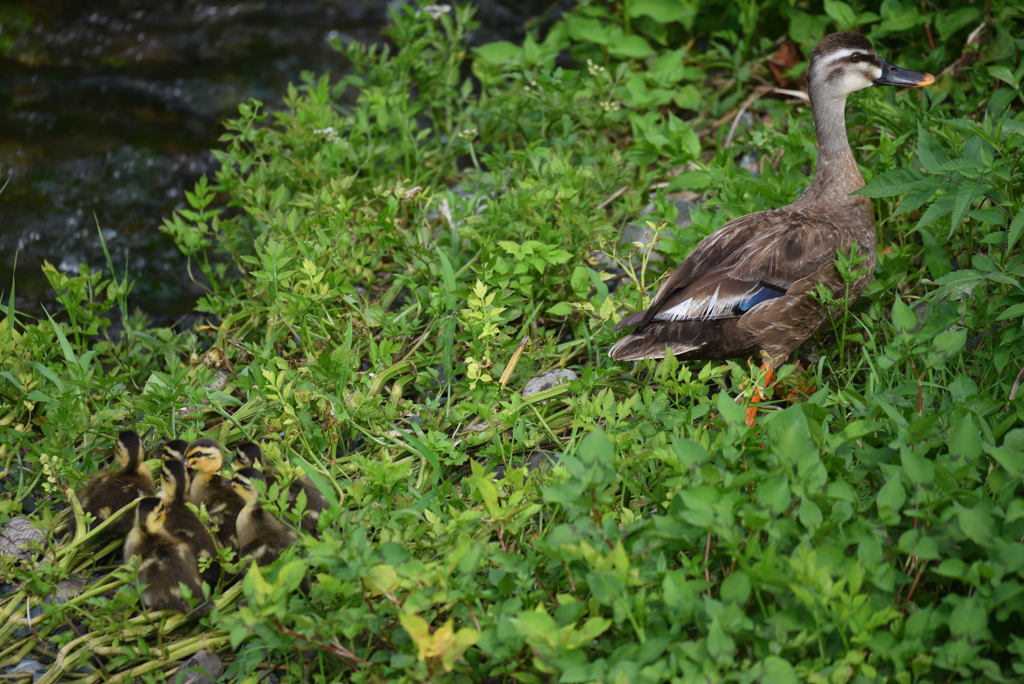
x=893, y=75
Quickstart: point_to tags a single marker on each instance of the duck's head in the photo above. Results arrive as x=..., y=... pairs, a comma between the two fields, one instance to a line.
x=846, y=62
x=243, y=482
x=173, y=477
x=150, y=514
x=128, y=450
x=205, y=456
x=249, y=455
x=174, y=449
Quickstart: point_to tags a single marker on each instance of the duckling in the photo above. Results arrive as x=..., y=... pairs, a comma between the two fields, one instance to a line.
x=167, y=562
x=205, y=458
x=249, y=455
x=182, y=522
x=260, y=534
x=174, y=449
x=110, y=491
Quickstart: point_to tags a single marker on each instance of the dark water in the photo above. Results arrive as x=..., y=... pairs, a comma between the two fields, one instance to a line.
x=108, y=111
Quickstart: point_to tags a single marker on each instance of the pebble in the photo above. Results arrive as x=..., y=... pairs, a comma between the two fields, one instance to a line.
x=547, y=381
x=201, y=668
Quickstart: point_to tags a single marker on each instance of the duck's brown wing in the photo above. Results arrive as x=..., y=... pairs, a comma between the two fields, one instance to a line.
x=744, y=267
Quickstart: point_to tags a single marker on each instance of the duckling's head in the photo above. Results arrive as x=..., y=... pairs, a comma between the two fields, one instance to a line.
x=128, y=450
x=205, y=456
x=249, y=455
x=150, y=514
x=173, y=478
x=243, y=482
x=174, y=449
x=845, y=62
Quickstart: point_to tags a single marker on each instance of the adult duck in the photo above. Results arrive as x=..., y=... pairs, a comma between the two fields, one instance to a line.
x=747, y=289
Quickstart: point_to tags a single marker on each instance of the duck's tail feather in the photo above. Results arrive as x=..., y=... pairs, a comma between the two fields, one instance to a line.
x=715, y=339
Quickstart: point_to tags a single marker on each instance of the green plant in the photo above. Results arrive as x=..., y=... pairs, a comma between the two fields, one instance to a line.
x=382, y=259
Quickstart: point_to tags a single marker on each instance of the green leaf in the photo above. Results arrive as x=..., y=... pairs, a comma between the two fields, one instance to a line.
x=948, y=22
x=937, y=210
x=1011, y=459
x=892, y=495
x=587, y=30
x=841, y=13
x=975, y=524
x=778, y=671
x=919, y=470
x=965, y=196
x=736, y=587
x=920, y=193
x=1003, y=74
x=65, y=346
x=810, y=515
x=965, y=442
x=1016, y=227
x=903, y=317
x=319, y=480
x=934, y=255
x=662, y=11
x=630, y=47
x=720, y=645
x=499, y=52
x=561, y=309
x=891, y=183
x=680, y=596
x=929, y=151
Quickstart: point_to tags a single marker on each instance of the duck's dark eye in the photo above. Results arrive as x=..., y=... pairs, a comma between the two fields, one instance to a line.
x=855, y=57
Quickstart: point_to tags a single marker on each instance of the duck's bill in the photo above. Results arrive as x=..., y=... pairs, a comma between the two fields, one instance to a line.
x=893, y=75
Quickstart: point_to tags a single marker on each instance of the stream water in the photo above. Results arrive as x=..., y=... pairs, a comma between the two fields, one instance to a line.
x=108, y=110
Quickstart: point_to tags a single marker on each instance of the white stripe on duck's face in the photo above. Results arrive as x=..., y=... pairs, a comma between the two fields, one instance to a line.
x=845, y=71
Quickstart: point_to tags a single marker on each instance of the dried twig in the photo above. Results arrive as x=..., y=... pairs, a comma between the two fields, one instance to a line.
x=973, y=38
x=614, y=196
x=735, y=123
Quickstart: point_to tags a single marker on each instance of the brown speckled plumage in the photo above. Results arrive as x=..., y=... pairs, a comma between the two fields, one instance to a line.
x=249, y=455
x=181, y=521
x=205, y=458
x=260, y=534
x=167, y=562
x=746, y=288
x=108, y=492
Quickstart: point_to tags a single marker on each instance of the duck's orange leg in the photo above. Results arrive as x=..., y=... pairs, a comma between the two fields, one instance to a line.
x=797, y=387
x=756, y=399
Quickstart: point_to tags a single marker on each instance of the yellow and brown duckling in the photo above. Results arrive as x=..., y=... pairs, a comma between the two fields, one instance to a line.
x=167, y=562
x=260, y=534
x=182, y=522
x=174, y=449
x=205, y=458
x=110, y=491
x=249, y=455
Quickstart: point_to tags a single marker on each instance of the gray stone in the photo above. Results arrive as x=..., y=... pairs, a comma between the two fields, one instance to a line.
x=547, y=381
x=538, y=459
x=16, y=536
x=25, y=665
x=201, y=668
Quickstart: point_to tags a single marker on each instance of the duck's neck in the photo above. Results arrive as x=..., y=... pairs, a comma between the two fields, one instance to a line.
x=837, y=174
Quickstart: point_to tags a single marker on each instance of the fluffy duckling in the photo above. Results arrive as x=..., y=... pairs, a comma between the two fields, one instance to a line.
x=249, y=455
x=205, y=458
x=174, y=449
x=260, y=534
x=167, y=562
x=110, y=491
x=181, y=521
